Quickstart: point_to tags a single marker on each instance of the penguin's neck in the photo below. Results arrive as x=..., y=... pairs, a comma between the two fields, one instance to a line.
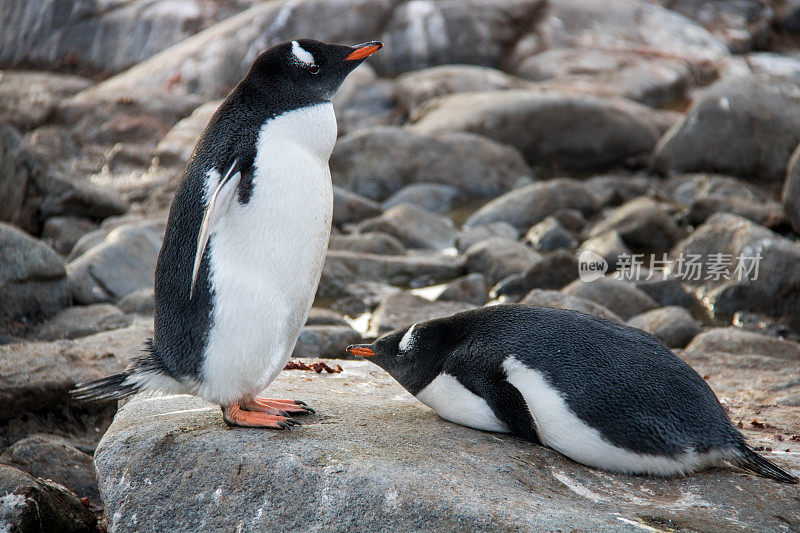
x=311, y=128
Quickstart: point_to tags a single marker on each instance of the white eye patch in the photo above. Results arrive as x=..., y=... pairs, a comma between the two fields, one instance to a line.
x=302, y=55
x=407, y=340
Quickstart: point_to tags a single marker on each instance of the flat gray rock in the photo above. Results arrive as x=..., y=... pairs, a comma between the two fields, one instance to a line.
x=375, y=458
x=123, y=262
x=557, y=132
x=767, y=285
x=32, y=278
x=724, y=130
x=377, y=162
x=414, y=226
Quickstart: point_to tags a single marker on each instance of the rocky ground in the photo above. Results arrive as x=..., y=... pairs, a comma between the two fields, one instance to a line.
x=484, y=154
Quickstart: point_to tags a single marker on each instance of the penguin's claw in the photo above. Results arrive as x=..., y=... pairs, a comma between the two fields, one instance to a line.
x=293, y=407
x=234, y=415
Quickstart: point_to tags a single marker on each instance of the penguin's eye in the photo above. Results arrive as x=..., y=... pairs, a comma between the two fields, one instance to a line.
x=314, y=69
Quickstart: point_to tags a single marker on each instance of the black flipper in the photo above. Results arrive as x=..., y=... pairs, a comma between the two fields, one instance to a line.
x=508, y=405
x=750, y=460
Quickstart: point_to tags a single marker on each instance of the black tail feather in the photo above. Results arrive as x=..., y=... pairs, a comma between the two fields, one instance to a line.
x=113, y=387
x=118, y=386
x=755, y=463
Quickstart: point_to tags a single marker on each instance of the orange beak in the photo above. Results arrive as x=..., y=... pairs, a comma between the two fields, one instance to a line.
x=361, y=350
x=364, y=50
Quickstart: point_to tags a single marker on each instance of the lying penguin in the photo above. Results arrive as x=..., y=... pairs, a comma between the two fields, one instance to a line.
x=603, y=394
x=246, y=238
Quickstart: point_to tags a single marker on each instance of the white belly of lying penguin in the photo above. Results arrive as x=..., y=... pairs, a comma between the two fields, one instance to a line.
x=267, y=256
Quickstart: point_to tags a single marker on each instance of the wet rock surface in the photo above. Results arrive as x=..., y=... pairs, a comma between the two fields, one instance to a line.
x=356, y=458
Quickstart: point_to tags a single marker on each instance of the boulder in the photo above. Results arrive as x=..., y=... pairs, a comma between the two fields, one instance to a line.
x=742, y=25
x=616, y=189
x=471, y=288
x=403, y=309
x=18, y=167
x=377, y=162
x=497, y=258
x=641, y=224
x=414, y=226
x=138, y=302
x=122, y=263
x=739, y=341
x=63, y=233
x=325, y=341
x=621, y=297
x=343, y=269
x=81, y=321
x=724, y=130
x=53, y=143
x=371, y=103
x=136, y=116
x=559, y=300
x=319, y=316
x=213, y=61
x=631, y=25
x=356, y=460
x=791, y=191
x=745, y=267
x=30, y=504
x=359, y=298
x=531, y=204
x=609, y=246
x=95, y=37
x=476, y=32
x=32, y=191
x=554, y=271
x=555, y=132
x=54, y=458
x=764, y=325
x=668, y=291
x=372, y=242
x=415, y=88
x=673, y=325
x=176, y=147
x=702, y=195
x=433, y=197
x=549, y=235
x=775, y=64
x=33, y=281
x=28, y=98
x=639, y=76
x=469, y=235
x=35, y=378
x=349, y=207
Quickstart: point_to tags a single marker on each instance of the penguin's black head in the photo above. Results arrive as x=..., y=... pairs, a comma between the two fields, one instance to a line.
x=310, y=70
x=414, y=355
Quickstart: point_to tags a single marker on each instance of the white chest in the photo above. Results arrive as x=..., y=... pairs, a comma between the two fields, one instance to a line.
x=456, y=403
x=267, y=254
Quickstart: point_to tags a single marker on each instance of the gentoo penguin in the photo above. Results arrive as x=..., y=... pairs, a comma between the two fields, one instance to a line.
x=603, y=394
x=246, y=238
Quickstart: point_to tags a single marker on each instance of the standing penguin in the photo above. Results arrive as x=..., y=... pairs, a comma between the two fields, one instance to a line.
x=246, y=238
x=603, y=394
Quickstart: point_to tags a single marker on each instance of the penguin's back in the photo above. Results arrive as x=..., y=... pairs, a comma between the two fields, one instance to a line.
x=182, y=324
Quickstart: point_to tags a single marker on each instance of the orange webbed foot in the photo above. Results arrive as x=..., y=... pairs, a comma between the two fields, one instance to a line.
x=234, y=415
